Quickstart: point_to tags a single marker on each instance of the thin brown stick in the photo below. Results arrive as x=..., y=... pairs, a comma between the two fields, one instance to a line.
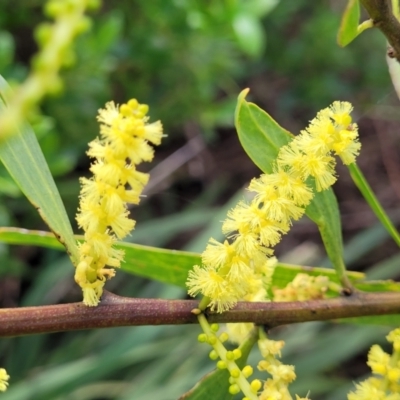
x=383, y=18
x=122, y=311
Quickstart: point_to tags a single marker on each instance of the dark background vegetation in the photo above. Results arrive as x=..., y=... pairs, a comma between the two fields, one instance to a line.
x=189, y=61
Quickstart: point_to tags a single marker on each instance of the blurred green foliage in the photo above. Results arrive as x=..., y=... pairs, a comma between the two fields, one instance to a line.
x=187, y=60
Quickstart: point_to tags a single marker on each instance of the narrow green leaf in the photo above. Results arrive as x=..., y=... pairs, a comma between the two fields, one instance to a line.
x=348, y=29
x=215, y=385
x=24, y=160
x=369, y=196
x=167, y=266
x=262, y=137
x=324, y=211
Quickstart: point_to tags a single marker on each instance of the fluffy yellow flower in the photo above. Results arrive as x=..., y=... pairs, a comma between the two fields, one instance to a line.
x=103, y=213
x=385, y=384
x=4, y=377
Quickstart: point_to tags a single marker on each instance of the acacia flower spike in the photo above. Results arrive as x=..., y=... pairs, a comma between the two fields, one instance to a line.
x=125, y=141
x=240, y=268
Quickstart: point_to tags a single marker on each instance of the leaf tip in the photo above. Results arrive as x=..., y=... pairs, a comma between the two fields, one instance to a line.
x=243, y=94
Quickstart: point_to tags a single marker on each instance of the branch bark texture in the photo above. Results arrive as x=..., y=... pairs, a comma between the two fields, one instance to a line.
x=116, y=311
x=381, y=14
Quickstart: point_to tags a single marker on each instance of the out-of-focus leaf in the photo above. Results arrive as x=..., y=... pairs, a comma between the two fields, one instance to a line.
x=24, y=160
x=7, y=48
x=348, y=29
x=249, y=34
x=262, y=137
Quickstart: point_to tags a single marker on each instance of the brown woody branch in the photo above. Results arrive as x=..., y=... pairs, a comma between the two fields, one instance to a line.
x=122, y=311
x=381, y=14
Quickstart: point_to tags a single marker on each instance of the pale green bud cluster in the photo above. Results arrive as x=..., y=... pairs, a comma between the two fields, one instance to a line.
x=55, y=51
x=227, y=360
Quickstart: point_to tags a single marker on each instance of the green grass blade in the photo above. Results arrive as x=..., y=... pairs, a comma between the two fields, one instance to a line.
x=369, y=196
x=24, y=160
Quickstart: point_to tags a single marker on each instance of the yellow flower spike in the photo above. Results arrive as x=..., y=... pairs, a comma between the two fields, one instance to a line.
x=280, y=198
x=103, y=210
x=4, y=377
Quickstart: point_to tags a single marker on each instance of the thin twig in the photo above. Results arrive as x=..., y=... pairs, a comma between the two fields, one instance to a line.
x=122, y=311
x=381, y=14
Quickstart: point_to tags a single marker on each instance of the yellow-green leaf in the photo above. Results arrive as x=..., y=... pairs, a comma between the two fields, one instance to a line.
x=348, y=29
x=24, y=160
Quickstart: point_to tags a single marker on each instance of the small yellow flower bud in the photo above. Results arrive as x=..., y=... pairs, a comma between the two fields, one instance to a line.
x=237, y=353
x=229, y=355
x=214, y=327
x=53, y=9
x=43, y=34
x=247, y=371
x=93, y=4
x=234, y=389
x=221, y=364
x=223, y=337
x=211, y=339
x=235, y=373
x=202, y=338
x=213, y=355
x=255, y=385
